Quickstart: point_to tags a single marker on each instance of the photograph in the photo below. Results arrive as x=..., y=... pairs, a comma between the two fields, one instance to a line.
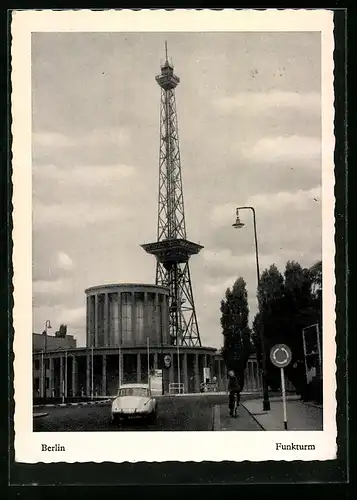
x=181, y=245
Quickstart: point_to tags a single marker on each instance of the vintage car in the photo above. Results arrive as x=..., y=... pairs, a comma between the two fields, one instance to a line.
x=133, y=400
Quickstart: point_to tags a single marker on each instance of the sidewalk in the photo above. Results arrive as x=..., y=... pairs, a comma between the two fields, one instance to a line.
x=300, y=416
x=222, y=421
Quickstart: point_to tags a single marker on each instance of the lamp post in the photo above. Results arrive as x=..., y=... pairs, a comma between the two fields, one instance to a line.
x=161, y=364
x=148, y=360
x=239, y=224
x=44, y=390
x=42, y=377
x=65, y=374
x=92, y=374
x=47, y=326
x=178, y=360
x=119, y=366
x=162, y=348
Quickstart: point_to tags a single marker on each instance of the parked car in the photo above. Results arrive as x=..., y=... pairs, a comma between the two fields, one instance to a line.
x=133, y=401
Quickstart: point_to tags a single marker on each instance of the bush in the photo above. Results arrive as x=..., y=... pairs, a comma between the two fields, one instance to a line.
x=317, y=389
x=313, y=391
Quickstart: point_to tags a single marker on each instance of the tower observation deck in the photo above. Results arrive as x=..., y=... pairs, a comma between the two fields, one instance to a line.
x=172, y=249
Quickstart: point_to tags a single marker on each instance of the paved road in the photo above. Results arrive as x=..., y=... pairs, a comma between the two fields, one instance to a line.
x=190, y=413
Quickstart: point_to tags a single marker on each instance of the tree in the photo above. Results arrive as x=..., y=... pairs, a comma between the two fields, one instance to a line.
x=316, y=277
x=316, y=289
x=287, y=304
x=270, y=299
x=237, y=345
x=271, y=287
x=62, y=332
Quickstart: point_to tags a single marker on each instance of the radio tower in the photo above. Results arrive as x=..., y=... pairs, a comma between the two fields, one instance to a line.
x=172, y=250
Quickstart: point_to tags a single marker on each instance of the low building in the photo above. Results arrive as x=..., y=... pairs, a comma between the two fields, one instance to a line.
x=43, y=347
x=42, y=342
x=127, y=336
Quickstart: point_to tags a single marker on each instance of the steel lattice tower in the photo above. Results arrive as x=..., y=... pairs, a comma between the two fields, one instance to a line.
x=172, y=250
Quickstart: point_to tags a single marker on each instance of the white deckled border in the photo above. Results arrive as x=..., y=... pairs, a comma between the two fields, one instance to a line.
x=158, y=446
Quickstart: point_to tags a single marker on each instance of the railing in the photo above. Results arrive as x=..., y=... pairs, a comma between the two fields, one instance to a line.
x=209, y=387
x=175, y=388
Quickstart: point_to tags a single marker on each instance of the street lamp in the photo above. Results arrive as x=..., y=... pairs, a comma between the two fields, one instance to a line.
x=92, y=373
x=44, y=349
x=148, y=359
x=179, y=333
x=161, y=348
x=47, y=326
x=161, y=364
x=238, y=225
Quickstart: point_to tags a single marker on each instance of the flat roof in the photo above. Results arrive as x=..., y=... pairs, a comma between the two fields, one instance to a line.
x=131, y=285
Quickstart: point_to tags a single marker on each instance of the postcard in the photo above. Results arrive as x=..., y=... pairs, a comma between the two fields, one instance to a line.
x=173, y=235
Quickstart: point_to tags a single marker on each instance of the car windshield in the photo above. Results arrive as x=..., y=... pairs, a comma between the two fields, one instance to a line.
x=133, y=391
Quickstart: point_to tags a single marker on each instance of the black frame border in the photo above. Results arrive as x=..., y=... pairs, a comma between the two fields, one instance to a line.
x=191, y=474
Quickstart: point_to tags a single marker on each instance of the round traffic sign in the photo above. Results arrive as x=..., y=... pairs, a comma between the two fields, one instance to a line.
x=167, y=361
x=280, y=355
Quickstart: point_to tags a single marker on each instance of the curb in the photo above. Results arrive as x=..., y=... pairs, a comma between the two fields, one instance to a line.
x=314, y=405
x=38, y=415
x=253, y=416
x=216, y=418
x=83, y=403
x=211, y=393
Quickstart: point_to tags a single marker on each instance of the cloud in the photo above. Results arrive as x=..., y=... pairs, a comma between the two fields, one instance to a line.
x=284, y=149
x=105, y=113
x=84, y=175
x=219, y=288
x=74, y=214
x=72, y=317
x=52, y=140
x=97, y=136
x=100, y=145
x=222, y=262
x=257, y=102
x=106, y=135
x=64, y=261
x=47, y=287
x=300, y=201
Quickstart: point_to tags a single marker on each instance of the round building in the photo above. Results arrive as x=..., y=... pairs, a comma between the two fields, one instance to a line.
x=129, y=324
x=127, y=336
x=127, y=315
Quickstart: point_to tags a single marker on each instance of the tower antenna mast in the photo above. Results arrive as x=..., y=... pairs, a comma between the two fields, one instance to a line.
x=172, y=249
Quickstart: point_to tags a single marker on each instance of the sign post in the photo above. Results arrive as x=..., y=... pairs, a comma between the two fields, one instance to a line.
x=148, y=356
x=167, y=361
x=119, y=366
x=282, y=376
x=280, y=356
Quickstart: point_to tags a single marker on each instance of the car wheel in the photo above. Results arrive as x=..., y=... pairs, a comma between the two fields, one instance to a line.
x=149, y=417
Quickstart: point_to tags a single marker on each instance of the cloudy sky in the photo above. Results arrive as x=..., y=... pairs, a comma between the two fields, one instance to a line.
x=250, y=134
